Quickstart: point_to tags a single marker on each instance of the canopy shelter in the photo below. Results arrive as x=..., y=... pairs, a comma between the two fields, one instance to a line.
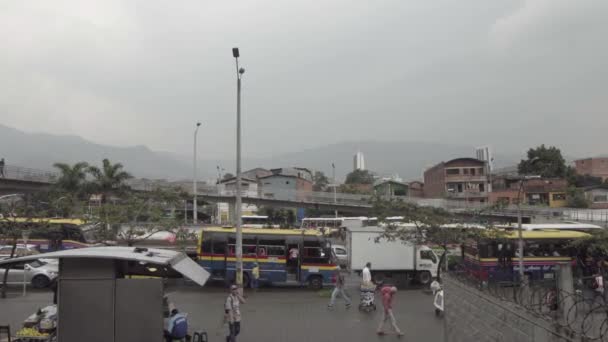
x=98, y=302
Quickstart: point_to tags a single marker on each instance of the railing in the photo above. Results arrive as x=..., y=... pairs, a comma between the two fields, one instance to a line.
x=28, y=174
x=299, y=196
x=583, y=312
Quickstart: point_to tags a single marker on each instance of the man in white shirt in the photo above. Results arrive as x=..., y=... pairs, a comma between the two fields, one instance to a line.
x=367, y=275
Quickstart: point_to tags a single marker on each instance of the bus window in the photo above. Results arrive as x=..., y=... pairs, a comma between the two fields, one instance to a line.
x=249, y=250
x=276, y=251
x=219, y=247
x=206, y=245
x=262, y=251
x=315, y=255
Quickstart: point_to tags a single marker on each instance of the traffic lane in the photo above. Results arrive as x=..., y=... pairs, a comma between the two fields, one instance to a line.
x=295, y=315
x=274, y=314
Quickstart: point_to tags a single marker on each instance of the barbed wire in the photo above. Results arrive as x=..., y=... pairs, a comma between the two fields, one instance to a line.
x=582, y=313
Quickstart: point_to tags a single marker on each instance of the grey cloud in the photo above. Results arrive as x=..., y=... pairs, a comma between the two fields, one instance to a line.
x=506, y=73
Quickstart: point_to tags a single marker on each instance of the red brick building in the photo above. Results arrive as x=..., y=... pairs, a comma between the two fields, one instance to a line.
x=461, y=178
x=543, y=191
x=416, y=189
x=597, y=167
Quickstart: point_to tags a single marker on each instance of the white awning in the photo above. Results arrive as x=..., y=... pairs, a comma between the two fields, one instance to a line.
x=176, y=260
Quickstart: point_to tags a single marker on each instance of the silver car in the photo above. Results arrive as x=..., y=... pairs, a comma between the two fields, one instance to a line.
x=341, y=255
x=37, y=273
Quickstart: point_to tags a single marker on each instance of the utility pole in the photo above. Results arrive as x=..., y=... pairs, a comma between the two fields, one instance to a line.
x=194, y=181
x=238, y=205
x=333, y=176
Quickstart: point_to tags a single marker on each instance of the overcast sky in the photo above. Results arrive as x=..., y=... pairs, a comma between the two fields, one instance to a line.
x=509, y=73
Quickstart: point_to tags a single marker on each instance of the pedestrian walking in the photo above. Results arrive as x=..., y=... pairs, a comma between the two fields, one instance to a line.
x=339, y=289
x=2, y=168
x=255, y=279
x=367, y=275
x=232, y=313
x=388, y=296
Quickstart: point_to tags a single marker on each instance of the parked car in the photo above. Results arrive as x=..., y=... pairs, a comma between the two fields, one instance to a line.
x=37, y=273
x=21, y=250
x=341, y=255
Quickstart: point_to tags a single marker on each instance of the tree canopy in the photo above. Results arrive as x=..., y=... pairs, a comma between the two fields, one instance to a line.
x=426, y=225
x=360, y=177
x=547, y=162
x=320, y=181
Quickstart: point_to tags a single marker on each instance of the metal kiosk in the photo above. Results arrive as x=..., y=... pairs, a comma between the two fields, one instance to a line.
x=97, y=302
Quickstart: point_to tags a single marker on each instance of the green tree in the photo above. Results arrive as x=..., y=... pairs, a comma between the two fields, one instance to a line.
x=594, y=245
x=11, y=229
x=72, y=178
x=320, y=181
x=137, y=216
x=426, y=226
x=576, y=198
x=547, y=162
x=354, y=189
x=582, y=181
x=110, y=179
x=360, y=177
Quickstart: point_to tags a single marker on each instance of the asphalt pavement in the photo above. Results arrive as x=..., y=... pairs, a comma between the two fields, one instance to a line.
x=276, y=314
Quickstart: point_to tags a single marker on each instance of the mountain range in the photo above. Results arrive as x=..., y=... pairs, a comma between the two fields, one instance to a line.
x=407, y=159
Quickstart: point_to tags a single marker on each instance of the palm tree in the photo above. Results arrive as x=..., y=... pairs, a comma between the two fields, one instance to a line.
x=72, y=178
x=109, y=179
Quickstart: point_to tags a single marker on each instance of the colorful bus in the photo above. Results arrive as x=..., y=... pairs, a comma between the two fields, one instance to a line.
x=51, y=234
x=574, y=226
x=285, y=256
x=497, y=259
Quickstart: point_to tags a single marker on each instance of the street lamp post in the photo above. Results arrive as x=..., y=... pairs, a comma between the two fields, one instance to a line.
x=238, y=208
x=194, y=176
x=519, y=226
x=25, y=236
x=333, y=176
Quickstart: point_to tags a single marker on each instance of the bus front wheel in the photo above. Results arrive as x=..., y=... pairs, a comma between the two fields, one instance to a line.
x=315, y=282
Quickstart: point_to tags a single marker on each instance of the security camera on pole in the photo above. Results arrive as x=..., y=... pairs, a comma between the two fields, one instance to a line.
x=238, y=208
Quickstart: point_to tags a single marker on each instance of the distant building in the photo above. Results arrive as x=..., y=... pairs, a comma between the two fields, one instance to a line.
x=597, y=197
x=597, y=167
x=358, y=161
x=461, y=178
x=546, y=191
x=484, y=153
x=256, y=173
x=416, y=189
x=551, y=192
x=286, y=181
x=249, y=188
x=391, y=188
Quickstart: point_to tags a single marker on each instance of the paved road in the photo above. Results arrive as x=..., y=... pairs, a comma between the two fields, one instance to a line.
x=277, y=314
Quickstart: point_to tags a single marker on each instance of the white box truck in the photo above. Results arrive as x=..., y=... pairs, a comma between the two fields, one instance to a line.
x=392, y=262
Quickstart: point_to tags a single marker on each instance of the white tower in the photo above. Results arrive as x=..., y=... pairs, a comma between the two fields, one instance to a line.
x=359, y=161
x=485, y=153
